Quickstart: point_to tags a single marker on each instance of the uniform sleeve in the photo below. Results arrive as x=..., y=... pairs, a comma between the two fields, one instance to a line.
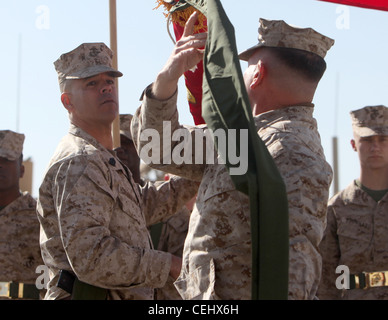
x=307, y=179
x=160, y=139
x=162, y=201
x=84, y=201
x=330, y=259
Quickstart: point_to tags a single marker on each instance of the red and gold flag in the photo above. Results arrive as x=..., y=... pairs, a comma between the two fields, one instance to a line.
x=369, y=4
x=193, y=78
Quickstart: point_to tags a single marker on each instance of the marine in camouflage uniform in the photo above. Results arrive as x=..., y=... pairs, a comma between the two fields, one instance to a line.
x=357, y=230
x=217, y=252
x=19, y=227
x=93, y=215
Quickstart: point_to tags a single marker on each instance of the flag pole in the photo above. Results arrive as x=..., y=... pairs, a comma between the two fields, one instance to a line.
x=113, y=46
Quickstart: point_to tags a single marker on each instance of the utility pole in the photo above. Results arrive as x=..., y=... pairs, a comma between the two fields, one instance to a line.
x=19, y=67
x=335, y=141
x=113, y=46
x=25, y=182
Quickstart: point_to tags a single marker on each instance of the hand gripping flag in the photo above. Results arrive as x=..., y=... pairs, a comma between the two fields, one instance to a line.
x=178, y=13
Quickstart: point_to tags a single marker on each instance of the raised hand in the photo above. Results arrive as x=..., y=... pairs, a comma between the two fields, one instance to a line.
x=187, y=53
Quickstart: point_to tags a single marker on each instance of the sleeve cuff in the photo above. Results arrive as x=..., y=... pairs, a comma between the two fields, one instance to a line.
x=159, y=268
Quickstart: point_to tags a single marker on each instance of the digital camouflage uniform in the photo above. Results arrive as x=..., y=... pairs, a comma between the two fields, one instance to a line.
x=356, y=236
x=172, y=239
x=357, y=230
x=93, y=215
x=19, y=228
x=217, y=252
x=19, y=241
x=292, y=139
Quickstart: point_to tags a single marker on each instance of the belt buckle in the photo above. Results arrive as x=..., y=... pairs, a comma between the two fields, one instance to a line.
x=375, y=279
x=4, y=289
x=356, y=281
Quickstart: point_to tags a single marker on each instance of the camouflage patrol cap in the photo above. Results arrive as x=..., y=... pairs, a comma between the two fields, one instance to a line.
x=125, y=125
x=87, y=60
x=370, y=121
x=277, y=33
x=11, y=144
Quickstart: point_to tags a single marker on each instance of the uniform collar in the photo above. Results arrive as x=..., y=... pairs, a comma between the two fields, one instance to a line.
x=78, y=132
x=297, y=112
x=108, y=156
x=24, y=202
x=355, y=195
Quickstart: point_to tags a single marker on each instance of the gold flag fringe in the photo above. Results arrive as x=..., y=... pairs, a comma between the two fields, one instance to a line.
x=181, y=16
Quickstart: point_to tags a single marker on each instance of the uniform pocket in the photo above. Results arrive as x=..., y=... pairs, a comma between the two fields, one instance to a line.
x=131, y=208
x=223, y=182
x=355, y=235
x=355, y=228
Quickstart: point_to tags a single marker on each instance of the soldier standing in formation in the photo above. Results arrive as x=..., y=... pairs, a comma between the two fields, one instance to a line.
x=357, y=229
x=19, y=225
x=93, y=215
x=283, y=72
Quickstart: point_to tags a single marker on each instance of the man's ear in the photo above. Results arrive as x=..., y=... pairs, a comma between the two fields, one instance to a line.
x=21, y=170
x=353, y=143
x=65, y=98
x=259, y=75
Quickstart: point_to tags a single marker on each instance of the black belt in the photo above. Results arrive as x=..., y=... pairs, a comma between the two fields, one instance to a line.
x=365, y=280
x=80, y=290
x=18, y=290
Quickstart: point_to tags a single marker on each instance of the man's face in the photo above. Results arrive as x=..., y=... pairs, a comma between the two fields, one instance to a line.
x=372, y=151
x=10, y=173
x=93, y=100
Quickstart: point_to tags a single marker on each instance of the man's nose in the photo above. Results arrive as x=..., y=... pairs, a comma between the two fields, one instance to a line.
x=107, y=88
x=375, y=145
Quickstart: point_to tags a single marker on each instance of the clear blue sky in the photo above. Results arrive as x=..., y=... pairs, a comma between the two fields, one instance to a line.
x=357, y=73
